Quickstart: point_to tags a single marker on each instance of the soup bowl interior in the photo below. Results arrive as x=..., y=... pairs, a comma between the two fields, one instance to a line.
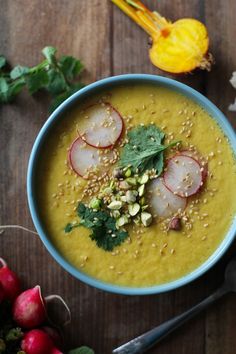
x=41, y=141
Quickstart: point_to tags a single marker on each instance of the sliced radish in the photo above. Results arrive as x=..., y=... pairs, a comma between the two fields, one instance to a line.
x=101, y=125
x=183, y=175
x=84, y=158
x=162, y=201
x=200, y=160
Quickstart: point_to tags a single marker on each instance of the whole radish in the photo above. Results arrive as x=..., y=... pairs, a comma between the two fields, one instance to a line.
x=54, y=334
x=9, y=281
x=29, y=308
x=37, y=341
x=2, y=293
x=56, y=351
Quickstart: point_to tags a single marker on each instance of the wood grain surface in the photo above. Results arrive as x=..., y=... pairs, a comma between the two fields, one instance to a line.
x=109, y=44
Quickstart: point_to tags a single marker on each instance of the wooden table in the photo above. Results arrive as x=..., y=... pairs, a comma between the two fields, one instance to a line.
x=109, y=44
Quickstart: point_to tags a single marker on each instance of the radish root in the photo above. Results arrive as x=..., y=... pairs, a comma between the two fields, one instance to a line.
x=50, y=298
x=19, y=227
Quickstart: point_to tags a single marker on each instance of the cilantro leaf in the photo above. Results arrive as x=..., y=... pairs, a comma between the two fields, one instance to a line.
x=2, y=61
x=56, y=82
x=102, y=225
x=70, y=66
x=36, y=81
x=18, y=71
x=62, y=97
x=53, y=75
x=144, y=150
x=82, y=350
x=49, y=52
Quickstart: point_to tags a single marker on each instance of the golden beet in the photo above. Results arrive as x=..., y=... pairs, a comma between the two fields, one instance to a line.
x=177, y=47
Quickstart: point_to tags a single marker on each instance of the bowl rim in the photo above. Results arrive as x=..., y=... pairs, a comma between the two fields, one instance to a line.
x=122, y=79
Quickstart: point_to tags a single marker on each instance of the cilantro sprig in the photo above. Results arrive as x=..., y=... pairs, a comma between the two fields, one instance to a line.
x=145, y=149
x=56, y=76
x=102, y=225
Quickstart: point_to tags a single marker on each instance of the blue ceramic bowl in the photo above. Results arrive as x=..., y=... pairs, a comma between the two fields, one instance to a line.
x=58, y=114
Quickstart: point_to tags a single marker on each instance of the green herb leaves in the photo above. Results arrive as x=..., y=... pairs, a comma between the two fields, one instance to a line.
x=82, y=350
x=144, y=150
x=102, y=225
x=55, y=76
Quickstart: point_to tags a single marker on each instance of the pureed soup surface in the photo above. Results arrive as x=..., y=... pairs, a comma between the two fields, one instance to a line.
x=151, y=255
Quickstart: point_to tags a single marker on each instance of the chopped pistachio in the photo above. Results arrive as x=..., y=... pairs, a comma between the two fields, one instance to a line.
x=132, y=181
x=124, y=185
x=115, y=205
x=146, y=218
x=141, y=190
x=134, y=209
x=142, y=201
x=145, y=207
x=116, y=214
x=128, y=173
x=143, y=179
x=137, y=220
x=130, y=196
x=95, y=203
x=122, y=221
x=107, y=190
x=123, y=198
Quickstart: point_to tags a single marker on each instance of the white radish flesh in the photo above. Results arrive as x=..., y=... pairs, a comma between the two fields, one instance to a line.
x=195, y=155
x=162, y=201
x=101, y=126
x=183, y=175
x=84, y=158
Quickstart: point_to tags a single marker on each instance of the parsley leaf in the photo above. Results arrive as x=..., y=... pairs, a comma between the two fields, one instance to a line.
x=102, y=225
x=145, y=149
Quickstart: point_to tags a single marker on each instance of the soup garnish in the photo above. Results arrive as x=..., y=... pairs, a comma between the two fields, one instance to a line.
x=142, y=188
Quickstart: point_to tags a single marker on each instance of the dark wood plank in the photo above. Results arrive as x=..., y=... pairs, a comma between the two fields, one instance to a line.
x=220, y=20
x=108, y=43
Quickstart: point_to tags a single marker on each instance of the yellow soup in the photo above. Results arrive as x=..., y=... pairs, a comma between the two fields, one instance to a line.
x=150, y=255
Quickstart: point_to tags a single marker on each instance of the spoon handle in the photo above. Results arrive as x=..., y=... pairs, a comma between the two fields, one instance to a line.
x=147, y=340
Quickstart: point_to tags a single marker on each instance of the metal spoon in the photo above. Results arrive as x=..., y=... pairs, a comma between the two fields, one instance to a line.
x=144, y=342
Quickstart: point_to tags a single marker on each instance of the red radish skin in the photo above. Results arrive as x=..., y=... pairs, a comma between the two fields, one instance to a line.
x=101, y=137
x=83, y=156
x=9, y=281
x=2, y=294
x=29, y=308
x=54, y=334
x=183, y=175
x=37, y=341
x=56, y=351
x=200, y=160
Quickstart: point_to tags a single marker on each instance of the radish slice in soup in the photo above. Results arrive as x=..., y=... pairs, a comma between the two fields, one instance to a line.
x=200, y=160
x=101, y=126
x=84, y=158
x=162, y=201
x=183, y=175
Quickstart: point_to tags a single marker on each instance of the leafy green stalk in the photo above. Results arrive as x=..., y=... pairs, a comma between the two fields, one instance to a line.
x=56, y=76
